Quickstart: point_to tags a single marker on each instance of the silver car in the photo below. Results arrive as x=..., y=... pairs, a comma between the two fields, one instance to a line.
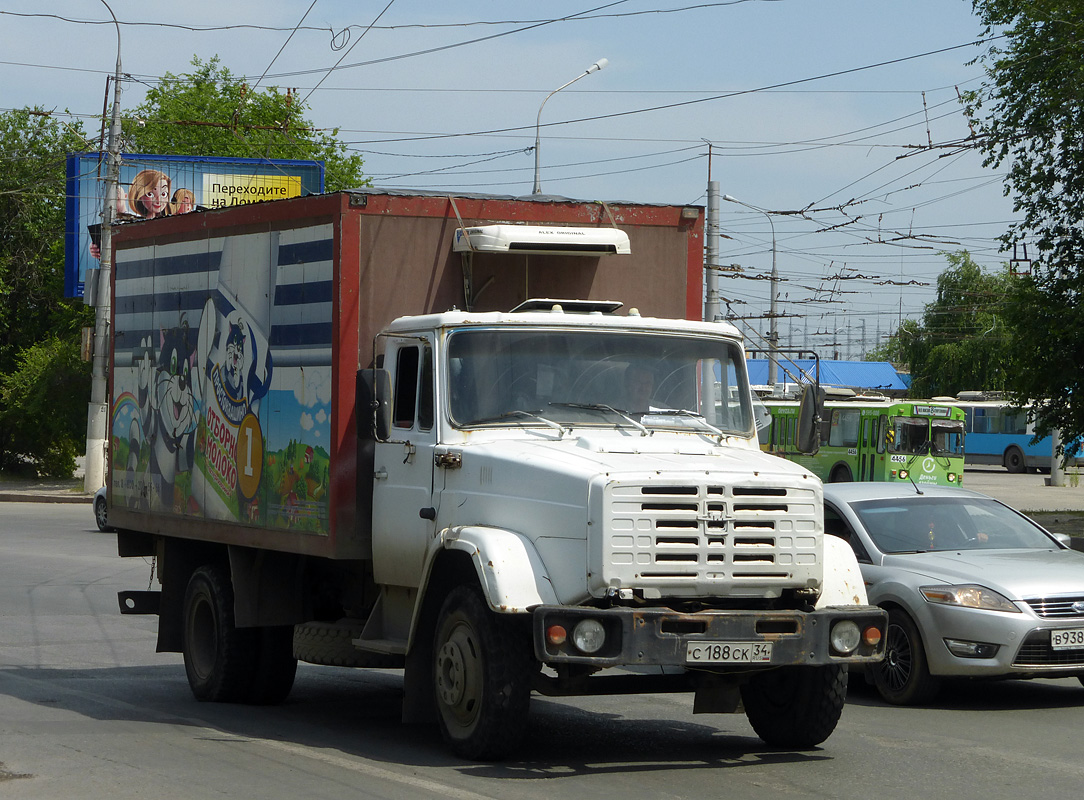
x=972, y=587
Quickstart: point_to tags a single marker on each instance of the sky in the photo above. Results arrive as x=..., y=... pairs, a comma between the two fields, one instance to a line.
x=846, y=110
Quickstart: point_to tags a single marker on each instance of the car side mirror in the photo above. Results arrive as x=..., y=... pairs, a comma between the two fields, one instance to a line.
x=372, y=406
x=810, y=411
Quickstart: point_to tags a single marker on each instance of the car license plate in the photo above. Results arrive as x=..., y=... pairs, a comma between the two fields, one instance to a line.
x=728, y=652
x=1069, y=639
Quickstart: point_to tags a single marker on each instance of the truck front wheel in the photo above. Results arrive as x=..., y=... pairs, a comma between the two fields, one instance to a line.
x=795, y=706
x=481, y=674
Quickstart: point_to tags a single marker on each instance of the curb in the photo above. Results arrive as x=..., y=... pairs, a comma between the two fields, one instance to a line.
x=31, y=497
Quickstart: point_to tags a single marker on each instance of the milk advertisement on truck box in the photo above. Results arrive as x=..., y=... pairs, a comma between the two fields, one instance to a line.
x=222, y=409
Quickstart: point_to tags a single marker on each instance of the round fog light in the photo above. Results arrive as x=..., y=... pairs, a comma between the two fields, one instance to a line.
x=588, y=635
x=845, y=637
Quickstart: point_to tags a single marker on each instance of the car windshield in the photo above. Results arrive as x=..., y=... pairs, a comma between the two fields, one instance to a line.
x=597, y=378
x=922, y=523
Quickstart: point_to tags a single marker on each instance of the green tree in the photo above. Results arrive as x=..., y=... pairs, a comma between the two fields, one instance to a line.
x=960, y=343
x=1028, y=117
x=44, y=402
x=209, y=112
x=39, y=328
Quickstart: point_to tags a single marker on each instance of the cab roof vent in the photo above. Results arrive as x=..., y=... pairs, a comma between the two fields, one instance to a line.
x=568, y=306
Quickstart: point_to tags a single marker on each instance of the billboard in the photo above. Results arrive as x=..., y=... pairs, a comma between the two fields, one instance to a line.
x=153, y=186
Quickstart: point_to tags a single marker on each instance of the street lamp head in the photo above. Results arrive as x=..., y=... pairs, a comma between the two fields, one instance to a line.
x=730, y=199
x=602, y=62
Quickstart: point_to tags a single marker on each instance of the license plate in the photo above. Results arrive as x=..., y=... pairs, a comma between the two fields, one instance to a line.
x=1069, y=639
x=728, y=652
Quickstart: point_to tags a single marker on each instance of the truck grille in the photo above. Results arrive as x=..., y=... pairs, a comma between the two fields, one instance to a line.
x=743, y=541
x=1057, y=607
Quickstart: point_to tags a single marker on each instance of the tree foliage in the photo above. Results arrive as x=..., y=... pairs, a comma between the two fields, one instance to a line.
x=43, y=407
x=209, y=112
x=44, y=387
x=1029, y=118
x=33, y=311
x=960, y=343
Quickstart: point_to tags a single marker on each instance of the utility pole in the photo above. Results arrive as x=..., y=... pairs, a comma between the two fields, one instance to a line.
x=712, y=308
x=773, y=316
x=98, y=410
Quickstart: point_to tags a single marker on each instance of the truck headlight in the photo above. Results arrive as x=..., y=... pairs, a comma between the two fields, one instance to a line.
x=588, y=636
x=845, y=637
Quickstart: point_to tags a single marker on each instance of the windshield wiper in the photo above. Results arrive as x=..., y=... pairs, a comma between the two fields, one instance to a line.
x=644, y=431
x=682, y=412
x=520, y=413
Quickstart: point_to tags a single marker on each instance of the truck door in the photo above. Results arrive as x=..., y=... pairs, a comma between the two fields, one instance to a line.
x=403, y=467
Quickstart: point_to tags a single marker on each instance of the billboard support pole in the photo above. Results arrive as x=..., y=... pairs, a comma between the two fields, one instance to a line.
x=98, y=411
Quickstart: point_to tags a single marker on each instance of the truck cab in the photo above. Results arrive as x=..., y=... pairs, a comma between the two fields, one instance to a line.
x=588, y=488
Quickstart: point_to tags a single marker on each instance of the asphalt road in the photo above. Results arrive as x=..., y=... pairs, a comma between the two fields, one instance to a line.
x=88, y=710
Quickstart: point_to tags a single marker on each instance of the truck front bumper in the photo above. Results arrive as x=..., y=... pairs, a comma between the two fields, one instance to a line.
x=711, y=640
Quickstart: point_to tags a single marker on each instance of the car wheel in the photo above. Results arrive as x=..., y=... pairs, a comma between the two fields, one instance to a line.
x=1014, y=461
x=101, y=514
x=481, y=677
x=904, y=678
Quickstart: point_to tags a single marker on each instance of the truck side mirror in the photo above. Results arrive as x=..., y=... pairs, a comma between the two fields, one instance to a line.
x=373, y=404
x=810, y=411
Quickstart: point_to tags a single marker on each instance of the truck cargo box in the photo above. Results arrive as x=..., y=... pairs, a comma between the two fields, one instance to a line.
x=238, y=334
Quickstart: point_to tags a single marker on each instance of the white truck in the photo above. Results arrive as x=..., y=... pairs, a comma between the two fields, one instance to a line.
x=564, y=498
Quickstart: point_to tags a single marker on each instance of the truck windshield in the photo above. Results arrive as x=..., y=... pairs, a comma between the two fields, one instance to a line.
x=597, y=378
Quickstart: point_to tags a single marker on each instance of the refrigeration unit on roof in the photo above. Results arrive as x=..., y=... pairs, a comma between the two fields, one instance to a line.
x=541, y=240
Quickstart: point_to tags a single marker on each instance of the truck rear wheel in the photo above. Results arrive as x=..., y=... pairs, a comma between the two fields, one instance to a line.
x=795, y=706
x=481, y=677
x=227, y=664
x=276, y=666
x=220, y=659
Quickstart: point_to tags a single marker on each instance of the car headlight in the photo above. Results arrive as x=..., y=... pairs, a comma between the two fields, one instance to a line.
x=969, y=596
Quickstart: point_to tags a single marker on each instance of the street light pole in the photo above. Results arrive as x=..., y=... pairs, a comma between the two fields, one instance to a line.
x=773, y=320
x=602, y=62
x=98, y=410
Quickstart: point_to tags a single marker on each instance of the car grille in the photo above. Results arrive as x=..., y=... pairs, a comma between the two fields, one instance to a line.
x=1036, y=652
x=721, y=540
x=1057, y=607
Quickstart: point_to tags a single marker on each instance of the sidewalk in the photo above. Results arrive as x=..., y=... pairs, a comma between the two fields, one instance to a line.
x=1029, y=492
x=43, y=491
